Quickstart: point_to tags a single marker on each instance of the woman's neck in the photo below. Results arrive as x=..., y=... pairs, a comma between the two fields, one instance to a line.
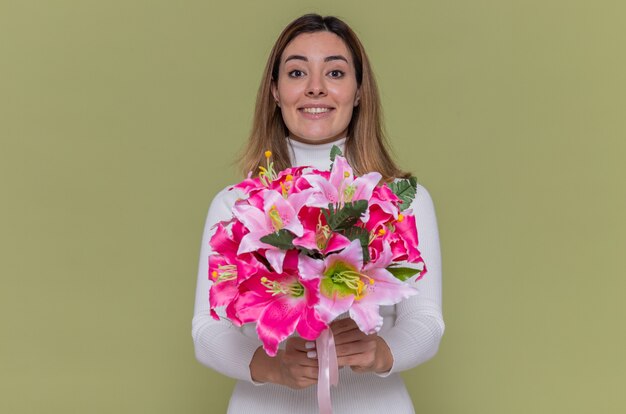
x=314, y=155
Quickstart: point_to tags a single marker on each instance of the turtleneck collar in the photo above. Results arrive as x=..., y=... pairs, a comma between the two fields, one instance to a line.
x=314, y=155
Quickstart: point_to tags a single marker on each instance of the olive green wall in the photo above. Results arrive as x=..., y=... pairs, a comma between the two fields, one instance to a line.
x=119, y=120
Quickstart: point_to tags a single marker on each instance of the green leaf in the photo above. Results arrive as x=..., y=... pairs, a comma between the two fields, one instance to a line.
x=311, y=253
x=405, y=189
x=346, y=216
x=334, y=151
x=363, y=236
x=403, y=273
x=283, y=239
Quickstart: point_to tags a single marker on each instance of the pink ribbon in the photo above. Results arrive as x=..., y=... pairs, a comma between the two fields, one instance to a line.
x=328, y=370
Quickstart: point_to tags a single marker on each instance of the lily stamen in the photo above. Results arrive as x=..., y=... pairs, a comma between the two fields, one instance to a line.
x=322, y=234
x=225, y=273
x=277, y=288
x=277, y=221
x=348, y=193
x=353, y=280
x=267, y=175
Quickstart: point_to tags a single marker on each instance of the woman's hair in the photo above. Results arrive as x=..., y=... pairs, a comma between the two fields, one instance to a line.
x=366, y=145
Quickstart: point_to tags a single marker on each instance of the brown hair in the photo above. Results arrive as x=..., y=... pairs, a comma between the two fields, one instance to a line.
x=366, y=147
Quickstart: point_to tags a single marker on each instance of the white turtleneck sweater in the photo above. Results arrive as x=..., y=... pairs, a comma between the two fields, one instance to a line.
x=412, y=329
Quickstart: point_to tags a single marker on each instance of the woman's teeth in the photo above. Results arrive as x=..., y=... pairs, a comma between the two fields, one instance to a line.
x=316, y=110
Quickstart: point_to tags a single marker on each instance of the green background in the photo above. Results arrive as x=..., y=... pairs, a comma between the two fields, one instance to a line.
x=119, y=121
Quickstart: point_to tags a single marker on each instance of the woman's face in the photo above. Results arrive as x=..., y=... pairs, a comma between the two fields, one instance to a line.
x=316, y=88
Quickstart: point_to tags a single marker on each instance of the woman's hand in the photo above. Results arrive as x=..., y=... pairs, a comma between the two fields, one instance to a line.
x=363, y=353
x=290, y=367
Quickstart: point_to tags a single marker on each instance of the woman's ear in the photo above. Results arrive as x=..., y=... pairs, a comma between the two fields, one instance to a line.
x=275, y=93
x=357, y=97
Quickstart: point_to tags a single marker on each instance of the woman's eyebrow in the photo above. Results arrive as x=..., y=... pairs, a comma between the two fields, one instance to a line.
x=296, y=57
x=326, y=59
x=335, y=57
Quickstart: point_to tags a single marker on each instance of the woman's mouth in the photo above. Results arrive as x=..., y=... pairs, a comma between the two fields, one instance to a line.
x=316, y=110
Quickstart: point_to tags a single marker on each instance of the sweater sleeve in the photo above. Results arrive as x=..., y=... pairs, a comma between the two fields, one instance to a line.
x=218, y=344
x=419, y=325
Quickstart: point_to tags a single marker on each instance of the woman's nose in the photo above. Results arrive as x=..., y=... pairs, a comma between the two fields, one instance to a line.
x=316, y=87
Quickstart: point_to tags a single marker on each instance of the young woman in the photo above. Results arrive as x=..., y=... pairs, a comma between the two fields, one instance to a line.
x=317, y=91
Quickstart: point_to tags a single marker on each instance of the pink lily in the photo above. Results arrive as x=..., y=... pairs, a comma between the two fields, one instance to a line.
x=383, y=197
x=379, y=224
x=278, y=213
x=341, y=187
x=227, y=270
x=386, y=290
x=345, y=285
x=317, y=234
x=285, y=182
x=405, y=239
x=281, y=304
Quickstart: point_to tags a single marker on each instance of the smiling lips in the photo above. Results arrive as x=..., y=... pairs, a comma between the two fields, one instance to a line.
x=315, y=112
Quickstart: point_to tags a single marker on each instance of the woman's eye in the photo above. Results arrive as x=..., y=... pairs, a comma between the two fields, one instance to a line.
x=336, y=73
x=296, y=73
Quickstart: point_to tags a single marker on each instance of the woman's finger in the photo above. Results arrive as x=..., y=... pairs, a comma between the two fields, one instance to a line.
x=353, y=348
x=341, y=325
x=352, y=335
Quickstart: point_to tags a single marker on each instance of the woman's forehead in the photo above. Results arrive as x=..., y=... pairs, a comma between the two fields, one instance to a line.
x=317, y=45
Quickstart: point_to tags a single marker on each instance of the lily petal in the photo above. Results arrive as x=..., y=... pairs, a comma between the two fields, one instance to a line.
x=222, y=293
x=288, y=215
x=325, y=192
x=337, y=242
x=276, y=257
x=365, y=184
x=341, y=171
x=307, y=240
x=278, y=321
x=221, y=242
x=367, y=317
x=353, y=254
x=386, y=290
x=252, y=241
x=310, y=268
x=408, y=232
x=253, y=218
x=310, y=325
x=329, y=308
x=251, y=305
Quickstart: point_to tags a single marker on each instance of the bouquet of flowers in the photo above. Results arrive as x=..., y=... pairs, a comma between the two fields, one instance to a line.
x=305, y=246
